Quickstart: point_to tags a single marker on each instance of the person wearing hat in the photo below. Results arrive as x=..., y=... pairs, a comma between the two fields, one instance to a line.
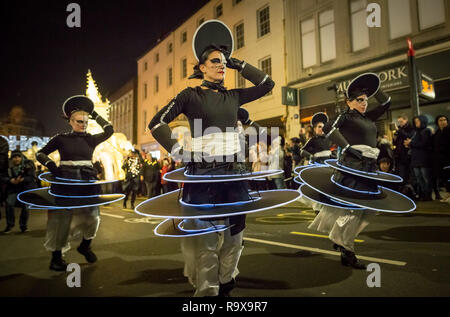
x=350, y=188
x=317, y=148
x=75, y=149
x=211, y=259
x=20, y=176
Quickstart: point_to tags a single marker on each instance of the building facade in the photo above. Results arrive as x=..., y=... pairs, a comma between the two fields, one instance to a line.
x=123, y=110
x=258, y=31
x=329, y=42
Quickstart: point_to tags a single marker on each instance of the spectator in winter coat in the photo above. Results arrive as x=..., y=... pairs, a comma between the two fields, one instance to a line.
x=420, y=145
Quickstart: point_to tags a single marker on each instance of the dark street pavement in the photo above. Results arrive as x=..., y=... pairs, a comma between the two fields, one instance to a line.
x=281, y=258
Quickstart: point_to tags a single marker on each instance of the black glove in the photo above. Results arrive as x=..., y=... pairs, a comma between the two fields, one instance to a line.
x=94, y=115
x=234, y=63
x=306, y=154
x=355, y=153
x=53, y=169
x=382, y=97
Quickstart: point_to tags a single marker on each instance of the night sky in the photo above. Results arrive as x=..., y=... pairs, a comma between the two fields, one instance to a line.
x=44, y=62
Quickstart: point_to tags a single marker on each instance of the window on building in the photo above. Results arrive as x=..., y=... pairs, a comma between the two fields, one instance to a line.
x=183, y=37
x=145, y=92
x=156, y=109
x=156, y=83
x=218, y=11
x=236, y=2
x=240, y=80
x=239, y=35
x=145, y=122
x=169, y=48
x=309, y=52
x=156, y=58
x=184, y=68
x=145, y=66
x=263, y=17
x=169, y=77
x=200, y=21
x=360, y=30
x=399, y=12
x=327, y=36
x=265, y=65
x=431, y=13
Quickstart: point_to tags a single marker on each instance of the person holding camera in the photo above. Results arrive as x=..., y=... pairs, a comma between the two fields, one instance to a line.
x=21, y=176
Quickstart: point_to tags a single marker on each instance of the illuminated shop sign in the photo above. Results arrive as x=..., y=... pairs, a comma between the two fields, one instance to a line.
x=23, y=142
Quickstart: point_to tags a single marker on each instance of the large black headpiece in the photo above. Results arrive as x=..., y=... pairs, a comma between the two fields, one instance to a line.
x=365, y=84
x=77, y=103
x=211, y=35
x=319, y=117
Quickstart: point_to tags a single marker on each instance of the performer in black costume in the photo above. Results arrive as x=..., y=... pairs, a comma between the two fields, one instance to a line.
x=212, y=259
x=76, y=149
x=317, y=148
x=350, y=187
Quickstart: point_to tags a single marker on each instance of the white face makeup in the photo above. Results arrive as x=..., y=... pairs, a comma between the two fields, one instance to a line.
x=318, y=130
x=359, y=103
x=79, y=121
x=214, y=67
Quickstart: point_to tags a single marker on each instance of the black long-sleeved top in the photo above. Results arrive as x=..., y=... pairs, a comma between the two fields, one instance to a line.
x=215, y=109
x=317, y=143
x=358, y=128
x=75, y=146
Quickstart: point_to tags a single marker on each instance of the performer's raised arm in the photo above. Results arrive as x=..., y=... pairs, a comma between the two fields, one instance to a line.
x=108, y=129
x=263, y=83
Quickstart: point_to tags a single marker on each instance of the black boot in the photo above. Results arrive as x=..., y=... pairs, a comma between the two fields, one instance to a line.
x=85, y=249
x=57, y=263
x=124, y=204
x=348, y=258
x=225, y=289
x=337, y=247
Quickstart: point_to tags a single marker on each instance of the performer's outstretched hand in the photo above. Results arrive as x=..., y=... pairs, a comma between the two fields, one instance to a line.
x=355, y=153
x=235, y=63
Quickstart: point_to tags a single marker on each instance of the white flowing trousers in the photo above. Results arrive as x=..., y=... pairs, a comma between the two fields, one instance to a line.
x=67, y=224
x=210, y=259
x=342, y=225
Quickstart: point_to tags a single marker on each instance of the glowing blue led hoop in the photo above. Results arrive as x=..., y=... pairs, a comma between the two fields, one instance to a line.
x=354, y=190
x=35, y=206
x=297, y=180
x=75, y=182
x=68, y=196
x=237, y=203
x=215, y=227
x=155, y=231
x=358, y=172
x=365, y=207
x=210, y=178
x=216, y=215
x=329, y=205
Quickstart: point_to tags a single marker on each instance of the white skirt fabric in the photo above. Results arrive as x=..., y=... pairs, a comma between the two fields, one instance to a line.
x=210, y=259
x=66, y=225
x=309, y=203
x=342, y=225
